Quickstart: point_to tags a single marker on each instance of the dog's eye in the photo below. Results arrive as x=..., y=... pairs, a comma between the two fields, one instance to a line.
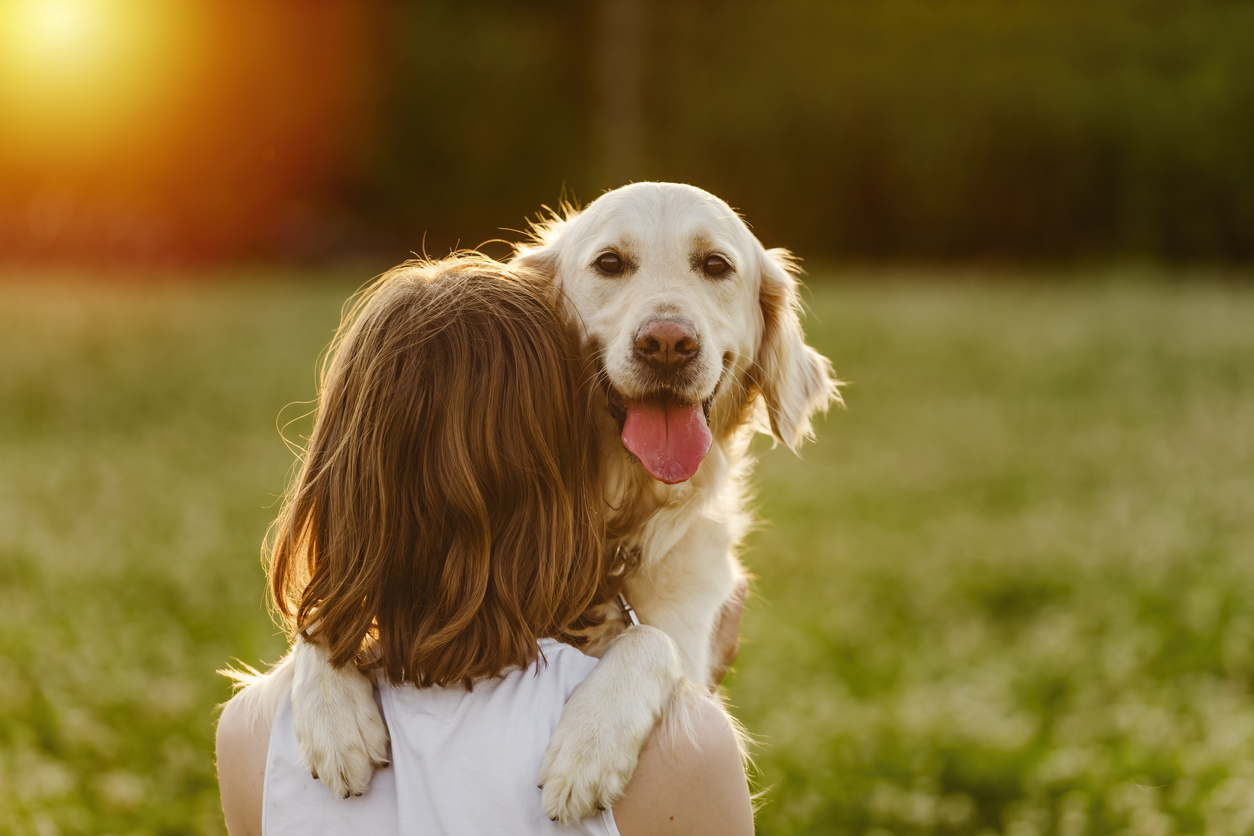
x=715, y=265
x=610, y=263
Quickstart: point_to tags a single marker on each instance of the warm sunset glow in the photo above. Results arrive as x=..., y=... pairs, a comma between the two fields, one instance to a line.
x=80, y=74
x=59, y=43
x=188, y=129
x=58, y=27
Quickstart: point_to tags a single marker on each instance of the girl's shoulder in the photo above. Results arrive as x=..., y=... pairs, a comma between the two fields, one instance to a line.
x=554, y=652
x=690, y=778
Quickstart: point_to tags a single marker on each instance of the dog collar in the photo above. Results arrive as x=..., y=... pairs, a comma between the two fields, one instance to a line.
x=629, y=613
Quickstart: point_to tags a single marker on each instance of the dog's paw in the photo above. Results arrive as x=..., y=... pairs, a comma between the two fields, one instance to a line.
x=597, y=742
x=586, y=767
x=339, y=731
x=342, y=752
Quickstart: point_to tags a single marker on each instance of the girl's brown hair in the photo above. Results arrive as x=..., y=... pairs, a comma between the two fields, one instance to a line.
x=447, y=507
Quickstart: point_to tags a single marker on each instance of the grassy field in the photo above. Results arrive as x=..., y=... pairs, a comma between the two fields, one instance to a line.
x=1007, y=591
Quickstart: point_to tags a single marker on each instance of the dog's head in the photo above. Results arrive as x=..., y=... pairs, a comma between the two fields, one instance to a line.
x=688, y=317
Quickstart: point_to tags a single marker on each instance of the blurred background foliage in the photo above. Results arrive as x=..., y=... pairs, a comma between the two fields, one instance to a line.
x=1008, y=591
x=1033, y=129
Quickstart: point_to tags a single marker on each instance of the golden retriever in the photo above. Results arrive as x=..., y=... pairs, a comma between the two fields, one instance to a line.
x=693, y=328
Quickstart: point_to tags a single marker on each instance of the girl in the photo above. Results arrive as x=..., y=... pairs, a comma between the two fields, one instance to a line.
x=445, y=530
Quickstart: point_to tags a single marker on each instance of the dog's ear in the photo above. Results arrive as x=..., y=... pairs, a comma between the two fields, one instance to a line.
x=539, y=254
x=537, y=257
x=796, y=381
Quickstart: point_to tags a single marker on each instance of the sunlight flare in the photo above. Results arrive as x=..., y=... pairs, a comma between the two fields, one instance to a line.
x=76, y=74
x=59, y=27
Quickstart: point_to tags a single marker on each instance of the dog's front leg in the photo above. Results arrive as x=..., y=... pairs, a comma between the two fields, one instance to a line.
x=684, y=592
x=605, y=723
x=341, y=736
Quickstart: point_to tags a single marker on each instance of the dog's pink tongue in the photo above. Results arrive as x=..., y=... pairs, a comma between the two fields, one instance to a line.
x=670, y=439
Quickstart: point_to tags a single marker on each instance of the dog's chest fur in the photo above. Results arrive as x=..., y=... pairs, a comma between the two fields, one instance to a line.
x=673, y=541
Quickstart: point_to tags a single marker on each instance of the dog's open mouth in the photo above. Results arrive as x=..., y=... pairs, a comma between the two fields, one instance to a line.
x=669, y=436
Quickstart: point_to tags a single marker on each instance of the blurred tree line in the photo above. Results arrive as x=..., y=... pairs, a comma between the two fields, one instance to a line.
x=915, y=128
x=1033, y=129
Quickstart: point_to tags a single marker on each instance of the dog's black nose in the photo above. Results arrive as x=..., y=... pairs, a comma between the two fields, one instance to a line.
x=666, y=344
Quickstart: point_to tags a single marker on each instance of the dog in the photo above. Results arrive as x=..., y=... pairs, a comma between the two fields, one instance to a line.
x=694, y=331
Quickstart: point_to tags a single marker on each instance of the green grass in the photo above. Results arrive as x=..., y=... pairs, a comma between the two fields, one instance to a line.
x=1008, y=590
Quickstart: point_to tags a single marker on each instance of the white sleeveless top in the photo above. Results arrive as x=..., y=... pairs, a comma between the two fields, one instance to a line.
x=463, y=762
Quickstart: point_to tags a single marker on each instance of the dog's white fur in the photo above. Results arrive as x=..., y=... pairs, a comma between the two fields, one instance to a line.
x=753, y=363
